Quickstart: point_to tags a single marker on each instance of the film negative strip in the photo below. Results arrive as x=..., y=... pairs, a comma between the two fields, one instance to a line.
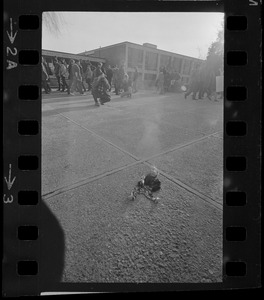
x=35, y=244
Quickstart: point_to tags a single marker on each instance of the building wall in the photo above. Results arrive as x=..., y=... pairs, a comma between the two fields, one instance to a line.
x=148, y=60
x=114, y=55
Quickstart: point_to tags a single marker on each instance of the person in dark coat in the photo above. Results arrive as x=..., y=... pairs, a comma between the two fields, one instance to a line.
x=100, y=88
x=206, y=82
x=98, y=71
x=160, y=82
x=174, y=85
x=63, y=74
x=45, y=77
x=116, y=80
x=89, y=77
x=109, y=76
x=167, y=80
x=57, y=72
x=82, y=75
x=127, y=86
x=47, y=67
x=121, y=75
x=75, y=78
x=135, y=80
x=194, y=85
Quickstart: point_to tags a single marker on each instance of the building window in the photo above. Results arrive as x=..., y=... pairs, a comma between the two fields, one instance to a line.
x=176, y=64
x=150, y=77
x=196, y=65
x=165, y=61
x=134, y=57
x=131, y=74
x=151, y=61
x=187, y=67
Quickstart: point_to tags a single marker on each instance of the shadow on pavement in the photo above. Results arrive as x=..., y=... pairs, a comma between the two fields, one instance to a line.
x=52, y=249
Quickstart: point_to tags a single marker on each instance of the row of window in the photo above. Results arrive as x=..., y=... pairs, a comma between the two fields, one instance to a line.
x=135, y=59
x=153, y=77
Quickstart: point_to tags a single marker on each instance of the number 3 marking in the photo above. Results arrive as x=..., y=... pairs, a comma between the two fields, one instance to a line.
x=8, y=200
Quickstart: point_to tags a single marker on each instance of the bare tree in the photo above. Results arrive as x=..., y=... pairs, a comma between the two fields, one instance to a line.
x=53, y=21
x=200, y=55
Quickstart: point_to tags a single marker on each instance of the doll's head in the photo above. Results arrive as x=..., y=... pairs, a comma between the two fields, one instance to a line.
x=154, y=172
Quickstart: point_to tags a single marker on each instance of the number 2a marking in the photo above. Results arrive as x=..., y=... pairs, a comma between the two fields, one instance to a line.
x=253, y=2
x=8, y=49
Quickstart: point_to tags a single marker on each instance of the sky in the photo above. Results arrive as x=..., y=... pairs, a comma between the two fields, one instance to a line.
x=189, y=34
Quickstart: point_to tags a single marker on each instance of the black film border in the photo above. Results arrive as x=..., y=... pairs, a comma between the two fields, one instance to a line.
x=23, y=224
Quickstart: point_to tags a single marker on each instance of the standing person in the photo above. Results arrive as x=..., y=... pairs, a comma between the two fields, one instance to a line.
x=79, y=80
x=82, y=75
x=98, y=71
x=116, y=80
x=45, y=77
x=121, y=75
x=93, y=72
x=47, y=67
x=175, y=76
x=177, y=81
x=103, y=68
x=75, y=78
x=167, y=80
x=89, y=76
x=63, y=74
x=194, y=85
x=109, y=76
x=135, y=79
x=57, y=72
x=84, y=64
x=127, y=85
x=160, y=82
x=100, y=89
x=206, y=82
x=70, y=77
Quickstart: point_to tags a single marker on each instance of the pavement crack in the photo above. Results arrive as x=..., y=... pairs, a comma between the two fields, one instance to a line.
x=100, y=137
x=146, y=160
x=189, y=188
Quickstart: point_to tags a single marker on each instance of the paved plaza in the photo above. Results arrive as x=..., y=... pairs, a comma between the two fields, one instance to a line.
x=92, y=157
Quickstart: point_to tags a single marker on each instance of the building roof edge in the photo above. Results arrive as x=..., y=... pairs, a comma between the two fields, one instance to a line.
x=157, y=49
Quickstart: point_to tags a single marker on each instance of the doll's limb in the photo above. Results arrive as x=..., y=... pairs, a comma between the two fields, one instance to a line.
x=134, y=193
x=148, y=194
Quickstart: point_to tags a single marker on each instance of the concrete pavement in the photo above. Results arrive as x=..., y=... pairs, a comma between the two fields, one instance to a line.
x=91, y=159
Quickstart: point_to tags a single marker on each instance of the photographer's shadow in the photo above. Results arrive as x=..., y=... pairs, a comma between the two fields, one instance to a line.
x=52, y=249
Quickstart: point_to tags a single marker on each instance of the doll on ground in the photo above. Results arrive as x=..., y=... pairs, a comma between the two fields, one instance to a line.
x=148, y=185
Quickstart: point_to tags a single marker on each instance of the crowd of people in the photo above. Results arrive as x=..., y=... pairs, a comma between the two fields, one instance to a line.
x=168, y=81
x=82, y=76
x=203, y=81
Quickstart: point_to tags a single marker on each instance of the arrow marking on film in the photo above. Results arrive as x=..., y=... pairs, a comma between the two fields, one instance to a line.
x=9, y=182
x=11, y=36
